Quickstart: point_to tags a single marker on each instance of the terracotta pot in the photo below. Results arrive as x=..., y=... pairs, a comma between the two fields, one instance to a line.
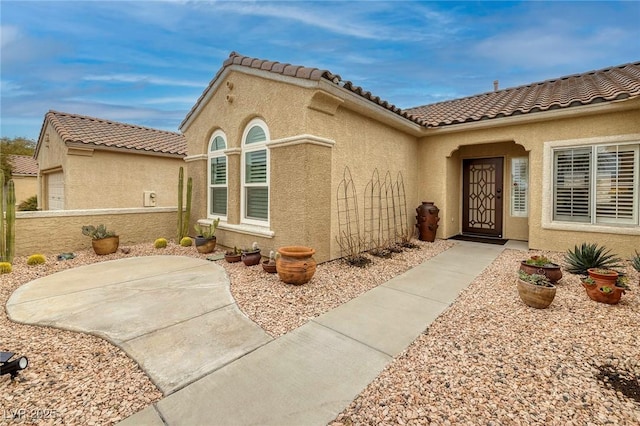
x=106, y=245
x=251, y=258
x=295, y=264
x=205, y=245
x=553, y=273
x=536, y=296
x=601, y=280
x=233, y=258
x=594, y=291
x=269, y=267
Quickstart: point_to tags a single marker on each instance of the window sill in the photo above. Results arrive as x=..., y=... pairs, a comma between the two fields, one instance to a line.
x=587, y=227
x=242, y=228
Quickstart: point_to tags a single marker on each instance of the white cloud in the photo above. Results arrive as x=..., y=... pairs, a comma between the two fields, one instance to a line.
x=145, y=79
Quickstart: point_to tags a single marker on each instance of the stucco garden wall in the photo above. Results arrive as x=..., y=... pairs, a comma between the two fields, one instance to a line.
x=54, y=232
x=446, y=189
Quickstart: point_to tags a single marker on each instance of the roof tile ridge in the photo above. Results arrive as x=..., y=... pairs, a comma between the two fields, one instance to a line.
x=117, y=123
x=58, y=125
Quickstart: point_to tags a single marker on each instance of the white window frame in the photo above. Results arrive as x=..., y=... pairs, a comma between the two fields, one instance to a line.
x=247, y=148
x=517, y=182
x=210, y=185
x=548, y=222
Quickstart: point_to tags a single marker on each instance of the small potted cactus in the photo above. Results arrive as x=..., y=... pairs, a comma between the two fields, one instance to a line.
x=234, y=255
x=269, y=265
x=251, y=256
x=103, y=241
x=206, y=238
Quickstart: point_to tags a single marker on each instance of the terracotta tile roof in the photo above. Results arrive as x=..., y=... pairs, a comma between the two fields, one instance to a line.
x=603, y=85
x=97, y=132
x=23, y=165
x=299, y=71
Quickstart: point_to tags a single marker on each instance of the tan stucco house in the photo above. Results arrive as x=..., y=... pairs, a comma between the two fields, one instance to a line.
x=554, y=163
x=92, y=163
x=24, y=173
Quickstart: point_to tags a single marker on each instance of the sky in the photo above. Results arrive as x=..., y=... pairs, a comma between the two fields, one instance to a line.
x=147, y=62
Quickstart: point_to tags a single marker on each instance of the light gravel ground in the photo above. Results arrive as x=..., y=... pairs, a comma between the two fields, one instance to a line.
x=75, y=378
x=487, y=360
x=491, y=360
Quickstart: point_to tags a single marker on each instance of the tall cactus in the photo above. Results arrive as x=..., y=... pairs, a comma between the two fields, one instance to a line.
x=180, y=191
x=3, y=241
x=8, y=230
x=187, y=214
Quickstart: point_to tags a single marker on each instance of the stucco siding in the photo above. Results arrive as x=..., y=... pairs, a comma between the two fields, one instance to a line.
x=26, y=187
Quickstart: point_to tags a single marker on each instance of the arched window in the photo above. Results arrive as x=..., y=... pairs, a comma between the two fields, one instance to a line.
x=217, y=199
x=255, y=174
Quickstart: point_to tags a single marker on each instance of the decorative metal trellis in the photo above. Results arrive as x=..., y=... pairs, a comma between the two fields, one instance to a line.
x=348, y=219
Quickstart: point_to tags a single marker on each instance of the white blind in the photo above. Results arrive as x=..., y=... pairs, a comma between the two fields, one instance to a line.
x=219, y=170
x=257, y=203
x=256, y=166
x=519, y=187
x=572, y=185
x=219, y=201
x=617, y=184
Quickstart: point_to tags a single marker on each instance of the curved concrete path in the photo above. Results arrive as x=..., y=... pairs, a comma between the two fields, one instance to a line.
x=173, y=315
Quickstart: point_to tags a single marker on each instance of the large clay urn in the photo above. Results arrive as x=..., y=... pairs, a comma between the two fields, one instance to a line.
x=105, y=245
x=296, y=264
x=427, y=218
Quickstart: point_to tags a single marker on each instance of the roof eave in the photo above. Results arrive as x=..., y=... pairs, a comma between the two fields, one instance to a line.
x=541, y=116
x=93, y=147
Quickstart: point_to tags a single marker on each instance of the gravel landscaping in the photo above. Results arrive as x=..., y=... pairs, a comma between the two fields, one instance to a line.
x=489, y=359
x=75, y=378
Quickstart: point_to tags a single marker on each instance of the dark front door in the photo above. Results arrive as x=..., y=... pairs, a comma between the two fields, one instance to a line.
x=482, y=197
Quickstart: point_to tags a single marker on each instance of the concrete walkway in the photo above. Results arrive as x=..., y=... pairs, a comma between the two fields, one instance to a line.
x=173, y=315
x=308, y=376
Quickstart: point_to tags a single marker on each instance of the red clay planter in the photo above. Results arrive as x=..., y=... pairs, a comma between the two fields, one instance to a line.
x=296, y=264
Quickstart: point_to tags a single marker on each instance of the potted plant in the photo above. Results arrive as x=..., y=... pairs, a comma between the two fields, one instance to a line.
x=295, y=264
x=603, y=276
x=269, y=265
x=609, y=294
x=543, y=266
x=206, y=238
x=103, y=241
x=251, y=256
x=535, y=290
x=233, y=256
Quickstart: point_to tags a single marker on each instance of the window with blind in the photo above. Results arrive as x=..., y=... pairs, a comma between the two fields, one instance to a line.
x=597, y=184
x=217, y=177
x=520, y=187
x=255, y=176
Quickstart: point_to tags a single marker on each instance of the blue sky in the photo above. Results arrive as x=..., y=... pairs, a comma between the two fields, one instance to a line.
x=147, y=62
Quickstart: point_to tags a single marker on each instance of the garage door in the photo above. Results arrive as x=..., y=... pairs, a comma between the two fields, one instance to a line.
x=55, y=191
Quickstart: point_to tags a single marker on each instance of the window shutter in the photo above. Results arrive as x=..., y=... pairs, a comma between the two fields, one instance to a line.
x=219, y=201
x=217, y=143
x=219, y=171
x=572, y=183
x=257, y=202
x=617, y=184
x=519, y=187
x=256, y=166
x=255, y=135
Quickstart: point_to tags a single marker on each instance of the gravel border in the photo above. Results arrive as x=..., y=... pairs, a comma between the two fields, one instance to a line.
x=74, y=378
x=489, y=359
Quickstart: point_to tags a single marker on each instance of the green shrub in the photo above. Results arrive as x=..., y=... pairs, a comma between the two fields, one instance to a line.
x=160, y=243
x=186, y=242
x=589, y=256
x=36, y=259
x=5, y=268
x=29, y=205
x=635, y=262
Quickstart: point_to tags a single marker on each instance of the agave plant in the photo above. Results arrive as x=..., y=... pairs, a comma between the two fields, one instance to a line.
x=635, y=262
x=590, y=256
